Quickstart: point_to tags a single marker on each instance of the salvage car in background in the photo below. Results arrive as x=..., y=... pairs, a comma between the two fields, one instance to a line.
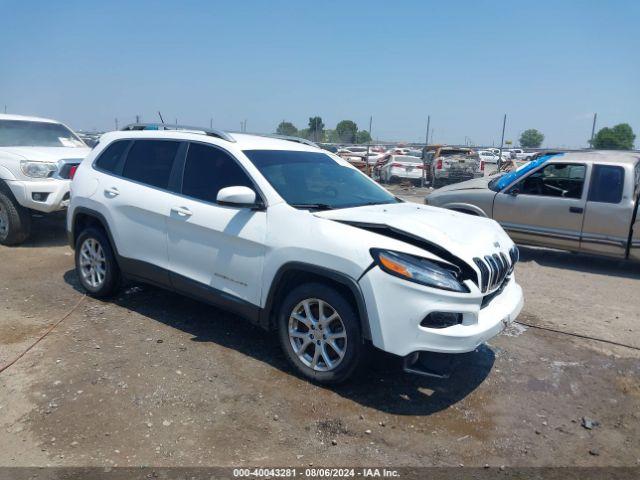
x=38, y=157
x=399, y=168
x=488, y=162
x=519, y=154
x=451, y=164
x=579, y=201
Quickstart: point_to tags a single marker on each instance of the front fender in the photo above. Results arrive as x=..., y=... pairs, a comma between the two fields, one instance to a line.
x=5, y=174
x=465, y=207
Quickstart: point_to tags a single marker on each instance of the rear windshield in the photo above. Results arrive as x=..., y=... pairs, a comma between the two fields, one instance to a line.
x=18, y=133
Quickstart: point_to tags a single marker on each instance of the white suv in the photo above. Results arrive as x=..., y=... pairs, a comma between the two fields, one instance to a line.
x=295, y=239
x=37, y=159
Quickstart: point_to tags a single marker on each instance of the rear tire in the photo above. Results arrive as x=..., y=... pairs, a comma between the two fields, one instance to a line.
x=323, y=350
x=96, y=264
x=15, y=220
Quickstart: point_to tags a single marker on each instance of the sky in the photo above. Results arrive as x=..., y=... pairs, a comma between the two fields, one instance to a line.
x=548, y=65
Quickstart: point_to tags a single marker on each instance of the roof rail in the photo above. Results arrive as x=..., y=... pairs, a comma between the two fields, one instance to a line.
x=288, y=138
x=211, y=132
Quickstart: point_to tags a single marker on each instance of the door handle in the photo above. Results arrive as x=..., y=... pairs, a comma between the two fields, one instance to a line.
x=576, y=209
x=182, y=211
x=113, y=191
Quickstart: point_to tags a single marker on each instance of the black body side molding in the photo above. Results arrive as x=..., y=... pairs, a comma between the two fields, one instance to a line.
x=333, y=275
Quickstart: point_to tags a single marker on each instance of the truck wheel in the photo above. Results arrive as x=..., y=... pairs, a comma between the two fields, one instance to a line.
x=96, y=264
x=15, y=221
x=320, y=333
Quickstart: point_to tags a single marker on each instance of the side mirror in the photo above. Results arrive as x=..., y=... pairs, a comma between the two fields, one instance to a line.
x=237, y=197
x=514, y=192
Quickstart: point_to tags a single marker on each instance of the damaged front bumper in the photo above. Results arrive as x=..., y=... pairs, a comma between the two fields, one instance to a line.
x=400, y=308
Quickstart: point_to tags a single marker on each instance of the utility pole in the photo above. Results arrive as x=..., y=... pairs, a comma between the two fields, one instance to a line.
x=211, y=122
x=369, y=146
x=137, y=118
x=593, y=129
x=504, y=123
x=424, y=154
x=428, y=124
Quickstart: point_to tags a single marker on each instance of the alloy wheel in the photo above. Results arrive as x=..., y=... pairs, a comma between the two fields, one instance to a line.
x=317, y=334
x=4, y=222
x=93, y=263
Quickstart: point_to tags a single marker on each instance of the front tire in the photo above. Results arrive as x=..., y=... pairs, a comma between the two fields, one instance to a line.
x=15, y=221
x=96, y=264
x=320, y=333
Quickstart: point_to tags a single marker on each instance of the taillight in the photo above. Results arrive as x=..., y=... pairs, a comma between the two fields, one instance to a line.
x=439, y=164
x=396, y=164
x=420, y=166
x=72, y=171
x=482, y=166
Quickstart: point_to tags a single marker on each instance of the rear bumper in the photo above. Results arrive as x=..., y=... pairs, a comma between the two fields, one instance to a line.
x=397, y=307
x=414, y=174
x=54, y=191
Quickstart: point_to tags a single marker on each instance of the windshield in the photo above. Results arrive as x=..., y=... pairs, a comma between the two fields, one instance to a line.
x=505, y=179
x=18, y=133
x=317, y=180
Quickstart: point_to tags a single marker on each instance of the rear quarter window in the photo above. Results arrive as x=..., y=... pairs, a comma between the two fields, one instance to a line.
x=110, y=157
x=607, y=184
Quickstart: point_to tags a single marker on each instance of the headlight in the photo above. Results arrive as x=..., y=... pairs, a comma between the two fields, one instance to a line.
x=418, y=270
x=37, y=169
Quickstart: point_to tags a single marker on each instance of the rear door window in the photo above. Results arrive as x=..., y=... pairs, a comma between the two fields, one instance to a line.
x=607, y=184
x=150, y=162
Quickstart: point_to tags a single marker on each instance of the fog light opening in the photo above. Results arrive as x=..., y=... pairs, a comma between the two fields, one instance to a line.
x=441, y=320
x=39, y=196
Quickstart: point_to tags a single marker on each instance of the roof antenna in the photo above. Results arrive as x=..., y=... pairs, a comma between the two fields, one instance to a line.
x=160, y=115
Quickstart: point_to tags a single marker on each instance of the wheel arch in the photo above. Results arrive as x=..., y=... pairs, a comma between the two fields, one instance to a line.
x=6, y=174
x=466, y=208
x=295, y=273
x=84, y=218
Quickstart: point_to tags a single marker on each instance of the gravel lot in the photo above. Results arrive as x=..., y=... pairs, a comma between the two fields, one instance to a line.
x=152, y=378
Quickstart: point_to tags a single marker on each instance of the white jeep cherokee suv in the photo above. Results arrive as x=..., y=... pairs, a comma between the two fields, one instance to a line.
x=37, y=159
x=295, y=239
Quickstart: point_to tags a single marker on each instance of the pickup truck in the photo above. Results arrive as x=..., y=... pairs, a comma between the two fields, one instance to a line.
x=38, y=158
x=579, y=201
x=446, y=165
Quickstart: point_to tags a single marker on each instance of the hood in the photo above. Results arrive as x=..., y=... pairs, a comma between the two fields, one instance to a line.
x=46, y=154
x=474, y=184
x=443, y=232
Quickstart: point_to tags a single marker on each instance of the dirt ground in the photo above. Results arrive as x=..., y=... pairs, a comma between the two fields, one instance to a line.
x=152, y=378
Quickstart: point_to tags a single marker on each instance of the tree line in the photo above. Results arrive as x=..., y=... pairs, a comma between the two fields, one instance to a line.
x=346, y=131
x=619, y=137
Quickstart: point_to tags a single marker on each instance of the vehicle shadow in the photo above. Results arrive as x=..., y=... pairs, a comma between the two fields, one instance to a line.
x=382, y=386
x=579, y=262
x=47, y=231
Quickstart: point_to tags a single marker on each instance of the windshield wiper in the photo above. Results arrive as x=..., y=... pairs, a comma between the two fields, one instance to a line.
x=315, y=206
x=369, y=204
